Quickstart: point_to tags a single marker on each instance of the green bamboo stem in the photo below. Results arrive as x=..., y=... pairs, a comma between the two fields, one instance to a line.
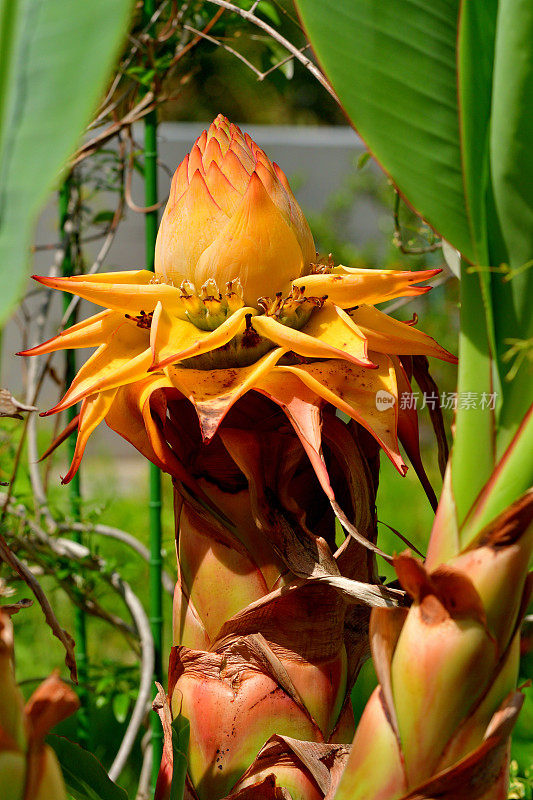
x=80, y=631
x=156, y=604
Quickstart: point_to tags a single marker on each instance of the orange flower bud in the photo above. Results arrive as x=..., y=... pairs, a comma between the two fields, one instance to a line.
x=231, y=214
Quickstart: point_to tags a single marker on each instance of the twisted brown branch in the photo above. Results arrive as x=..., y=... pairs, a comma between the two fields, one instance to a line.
x=274, y=34
x=64, y=637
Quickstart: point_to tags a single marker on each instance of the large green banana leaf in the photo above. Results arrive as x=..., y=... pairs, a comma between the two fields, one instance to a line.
x=442, y=91
x=54, y=60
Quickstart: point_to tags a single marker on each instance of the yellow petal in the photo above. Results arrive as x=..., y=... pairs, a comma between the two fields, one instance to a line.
x=235, y=172
x=173, y=339
x=275, y=190
x=180, y=182
x=234, y=132
x=141, y=276
x=129, y=297
x=309, y=346
x=124, y=359
x=187, y=229
x=348, y=287
x=92, y=332
x=202, y=141
x=334, y=327
x=219, y=129
x=354, y=390
x=242, y=152
x=212, y=152
x=196, y=163
x=93, y=410
x=213, y=392
x=256, y=246
x=387, y=335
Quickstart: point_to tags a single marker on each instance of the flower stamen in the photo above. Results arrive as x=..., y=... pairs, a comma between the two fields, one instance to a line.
x=142, y=320
x=323, y=266
x=250, y=337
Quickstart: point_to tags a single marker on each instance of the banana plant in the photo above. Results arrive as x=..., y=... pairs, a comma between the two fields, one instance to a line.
x=441, y=93
x=225, y=369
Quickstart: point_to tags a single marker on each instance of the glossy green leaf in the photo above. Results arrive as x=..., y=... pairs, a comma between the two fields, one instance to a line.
x=180, y=744
x=393, y=65
x=511, y=162
x=474, y=427
x=511, y=478
x=54, y=61
x=495, y=83
x=84, y=776
x=475, y=54
x=442, y=93
x=473, y=448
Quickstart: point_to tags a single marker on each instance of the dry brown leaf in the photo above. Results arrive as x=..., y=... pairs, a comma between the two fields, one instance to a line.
x=10, y=407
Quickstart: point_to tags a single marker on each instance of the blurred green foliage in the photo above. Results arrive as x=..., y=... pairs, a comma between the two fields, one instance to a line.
x=218, y=82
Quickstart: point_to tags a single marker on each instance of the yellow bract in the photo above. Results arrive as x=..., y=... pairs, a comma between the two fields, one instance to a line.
x=332, y=347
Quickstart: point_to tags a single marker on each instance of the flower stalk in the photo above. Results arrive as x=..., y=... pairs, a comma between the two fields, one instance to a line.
x=80, y=620
x=155, y=502
x=442, y=715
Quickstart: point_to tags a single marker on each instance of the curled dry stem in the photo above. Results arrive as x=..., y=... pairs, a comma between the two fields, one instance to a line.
x=64, y=637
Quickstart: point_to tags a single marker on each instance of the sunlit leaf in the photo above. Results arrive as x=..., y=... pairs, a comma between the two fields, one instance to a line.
x=393, y=65
x=180, y=745
x=441, y=93
x=121, y=706
x=53, y=68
